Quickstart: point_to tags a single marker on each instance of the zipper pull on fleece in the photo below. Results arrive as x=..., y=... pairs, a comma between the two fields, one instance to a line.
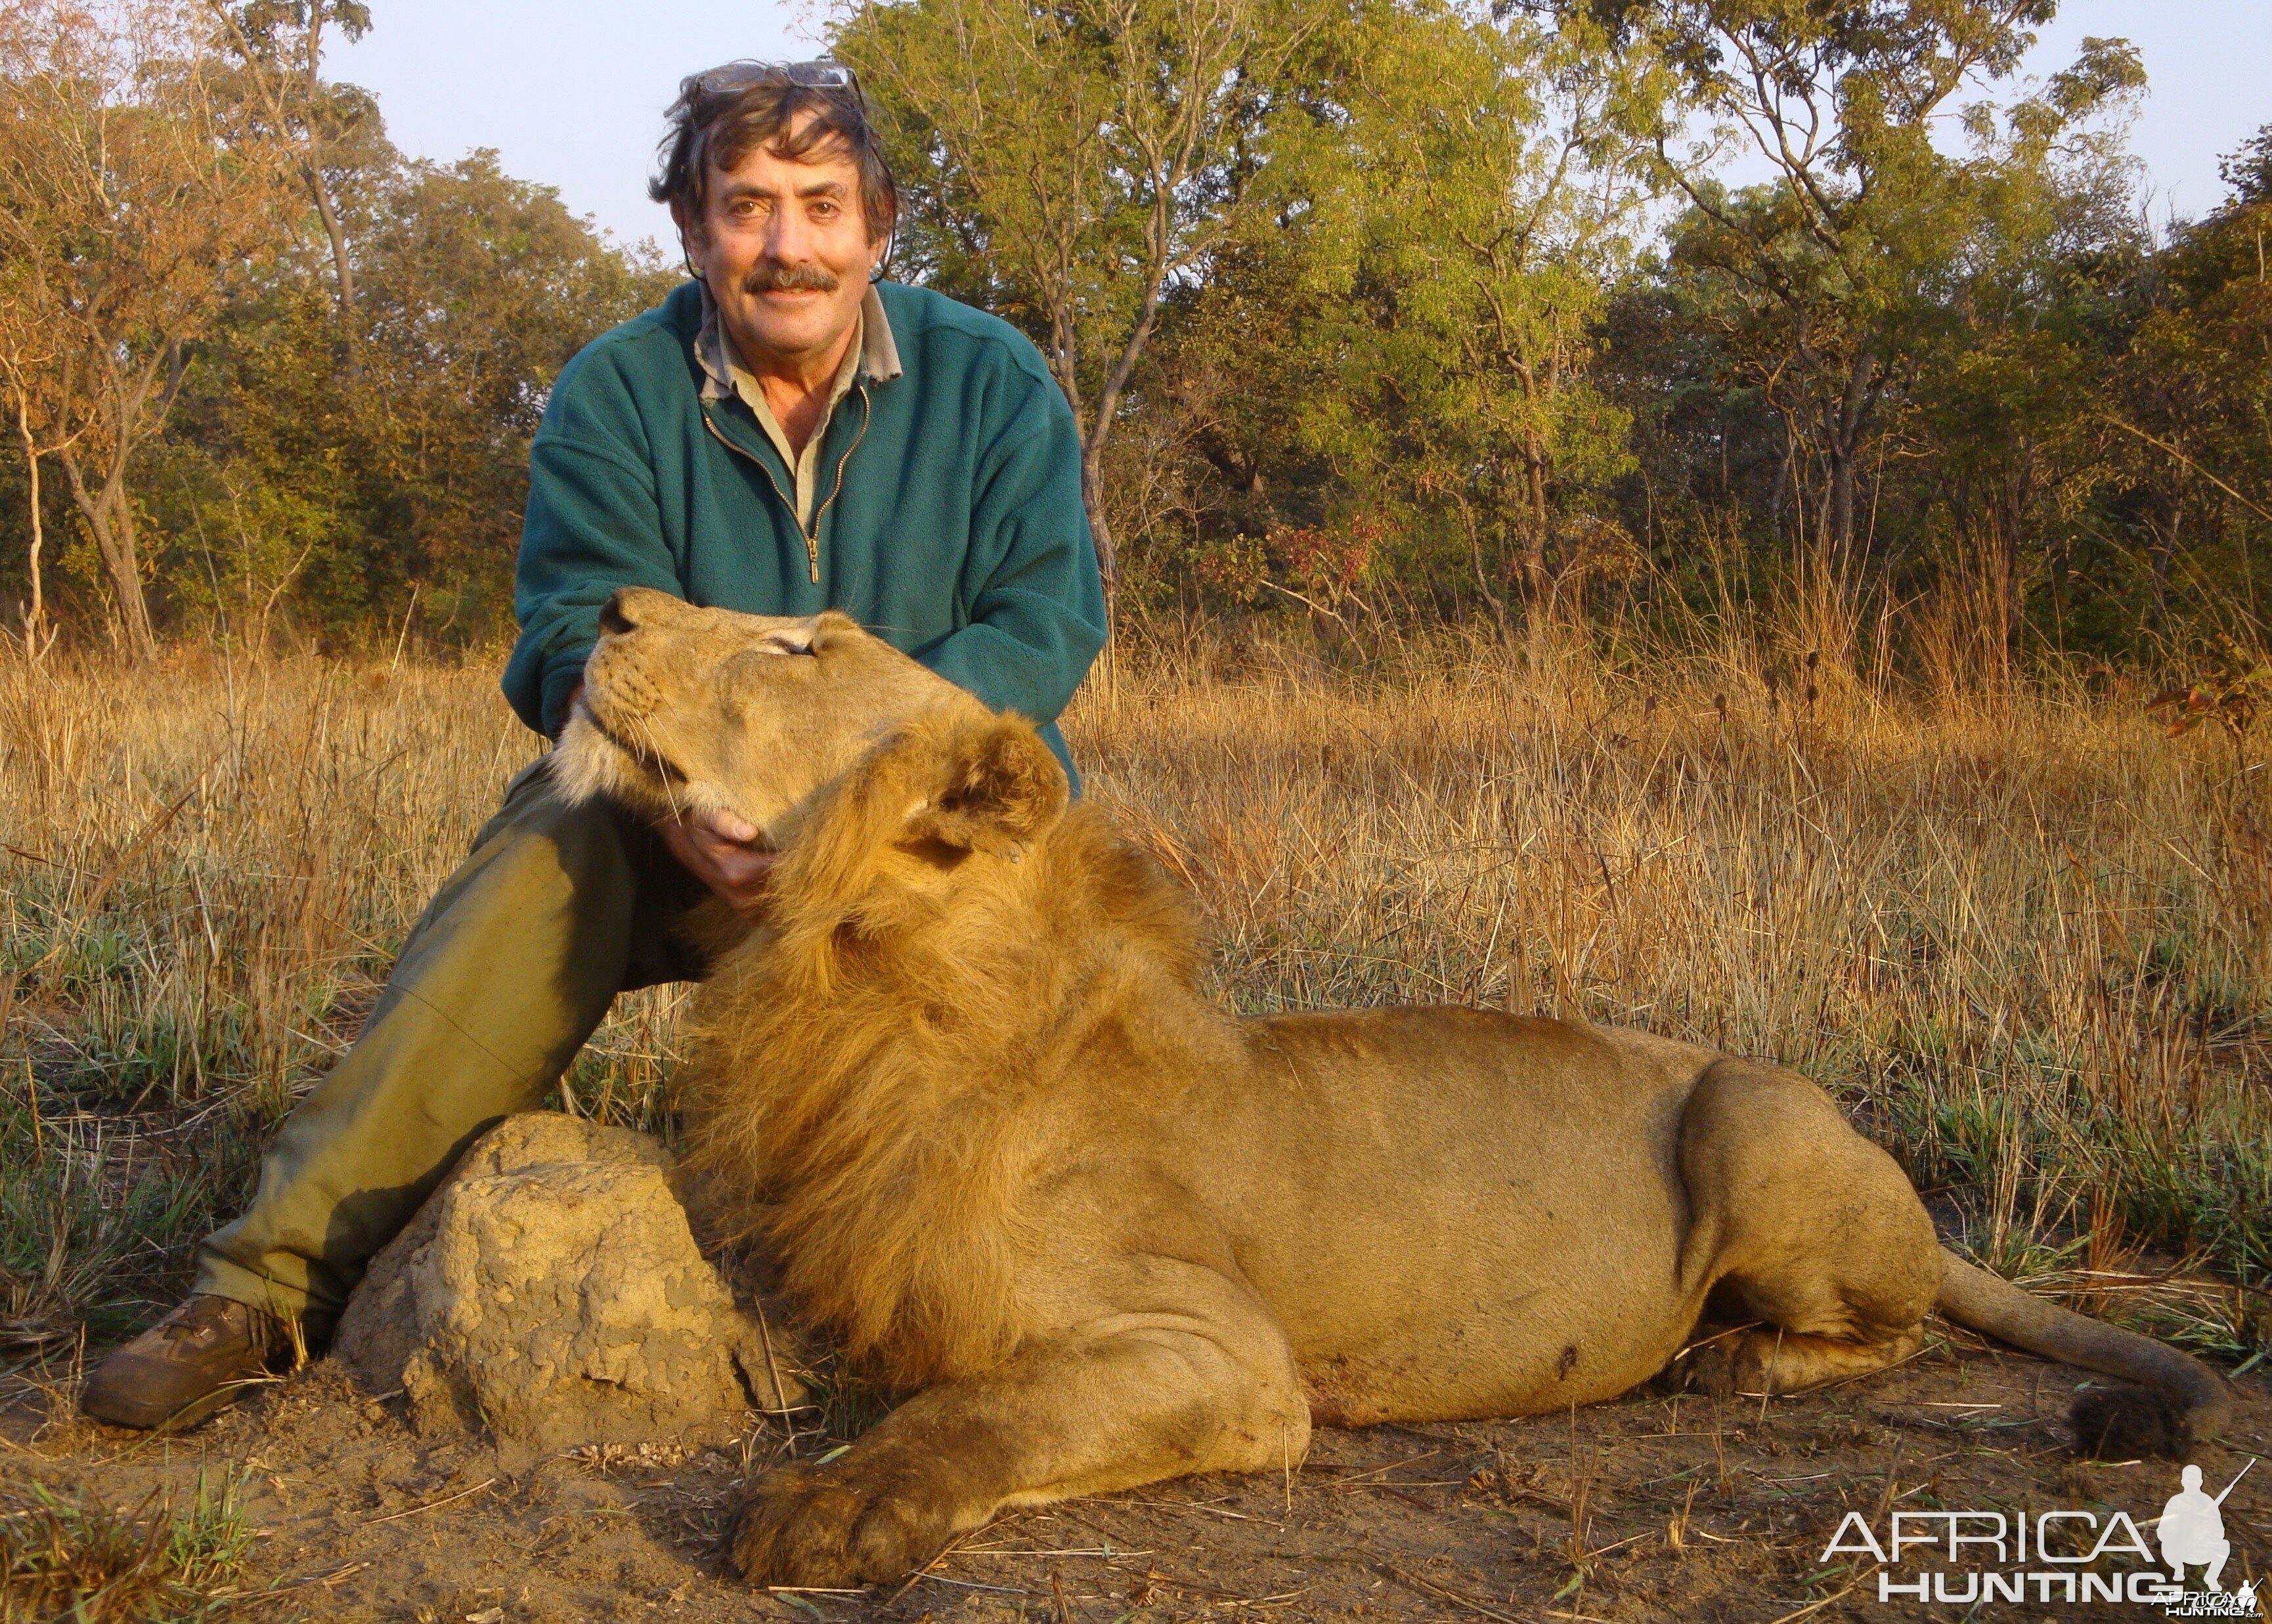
x=811, y=534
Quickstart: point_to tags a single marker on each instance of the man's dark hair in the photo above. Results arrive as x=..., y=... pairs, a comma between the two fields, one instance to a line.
x=722, y=116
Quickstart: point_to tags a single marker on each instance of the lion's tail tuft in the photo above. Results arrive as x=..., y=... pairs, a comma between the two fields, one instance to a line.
x=2175, y=1403
x=2126, y=1423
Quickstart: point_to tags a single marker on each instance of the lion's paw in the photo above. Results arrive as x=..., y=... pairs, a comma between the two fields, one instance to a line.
x=837, y=1525
x=1718, y=1368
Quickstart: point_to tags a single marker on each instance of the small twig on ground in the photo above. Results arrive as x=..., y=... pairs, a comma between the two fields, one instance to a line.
x=1192, y=1505
x=772, y=1368
x=1359, y=1476
x=325, y=1579
x=945, y=1551
x=1152, y=1575
x=1428, y=1587
x=1817, y=1606
x=431, y=1505
x=966, y=1584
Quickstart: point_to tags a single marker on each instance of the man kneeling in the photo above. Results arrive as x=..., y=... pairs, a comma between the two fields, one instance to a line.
x=787, y=433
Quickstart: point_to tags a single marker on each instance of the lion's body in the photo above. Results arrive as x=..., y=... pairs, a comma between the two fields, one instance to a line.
x=1480, y=1216
x=965, y=1082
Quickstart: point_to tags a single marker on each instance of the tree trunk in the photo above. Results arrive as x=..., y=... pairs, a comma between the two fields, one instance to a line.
x=1064, y=365
x=110, y=520
x=1108, y=405
x=1848, y=422
x=314, y=171
x=1092, y=499
x=35, y=615
x=1841, y=526
x=340, y=264
x=1482, y=578
x=1535, y=585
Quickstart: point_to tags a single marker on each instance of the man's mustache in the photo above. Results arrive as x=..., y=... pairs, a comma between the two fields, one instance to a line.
x=771, y=276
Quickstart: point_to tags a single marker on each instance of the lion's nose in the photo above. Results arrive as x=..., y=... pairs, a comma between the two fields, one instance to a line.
x=614, y=618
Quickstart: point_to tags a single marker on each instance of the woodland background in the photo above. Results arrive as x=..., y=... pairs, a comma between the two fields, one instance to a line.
x=1375, y=314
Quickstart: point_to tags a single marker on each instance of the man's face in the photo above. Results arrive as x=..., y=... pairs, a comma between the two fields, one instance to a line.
x=786, y=252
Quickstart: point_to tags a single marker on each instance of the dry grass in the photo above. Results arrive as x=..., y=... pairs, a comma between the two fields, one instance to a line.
x=2029, y=943
x=60, y=1559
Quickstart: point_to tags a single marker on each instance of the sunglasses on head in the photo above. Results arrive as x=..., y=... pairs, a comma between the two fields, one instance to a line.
x=823, y=75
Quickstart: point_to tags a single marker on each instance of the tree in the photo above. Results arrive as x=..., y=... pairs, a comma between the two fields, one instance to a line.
x=29, y=349
x=1495, y=166
x=1833, y=269
x=121, y=189
x=370, y=484
x=1069, y=164
x=2189, y=406
x=280, y=45
x=2004, y=426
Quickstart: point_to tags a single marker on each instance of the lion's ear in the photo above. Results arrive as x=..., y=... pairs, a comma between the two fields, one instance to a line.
x=1001, y=788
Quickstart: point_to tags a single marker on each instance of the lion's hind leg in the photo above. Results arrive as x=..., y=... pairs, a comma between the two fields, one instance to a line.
x=1807, y=1240
x=1752, y=1359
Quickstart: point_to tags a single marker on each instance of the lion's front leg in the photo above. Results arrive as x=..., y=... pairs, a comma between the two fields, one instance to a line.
x=1129, y=1400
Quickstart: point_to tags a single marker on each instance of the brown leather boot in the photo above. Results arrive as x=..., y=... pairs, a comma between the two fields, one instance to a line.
x=204, y=1355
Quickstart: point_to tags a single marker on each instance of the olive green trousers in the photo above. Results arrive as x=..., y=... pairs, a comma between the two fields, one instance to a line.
x=506, y=974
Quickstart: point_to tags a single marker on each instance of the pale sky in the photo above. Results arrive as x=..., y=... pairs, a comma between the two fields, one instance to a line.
x=570, y=92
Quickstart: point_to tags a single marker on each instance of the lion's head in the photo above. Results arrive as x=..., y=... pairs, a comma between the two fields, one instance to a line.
x=687, y=709
x=927, y=857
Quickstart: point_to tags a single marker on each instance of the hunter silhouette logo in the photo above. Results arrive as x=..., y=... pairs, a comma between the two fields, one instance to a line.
x=2040, y=1557
x=2193, y=1529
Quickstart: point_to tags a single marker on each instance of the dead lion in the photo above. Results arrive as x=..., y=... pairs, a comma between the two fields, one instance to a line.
x=966, y=1083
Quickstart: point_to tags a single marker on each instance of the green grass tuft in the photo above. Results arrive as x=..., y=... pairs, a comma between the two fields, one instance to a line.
x=91, y=1564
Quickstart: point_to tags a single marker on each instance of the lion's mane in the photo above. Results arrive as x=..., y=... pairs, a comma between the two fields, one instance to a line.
x=869, y=1075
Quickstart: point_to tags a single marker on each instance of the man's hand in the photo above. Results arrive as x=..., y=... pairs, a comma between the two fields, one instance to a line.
x=720, y=849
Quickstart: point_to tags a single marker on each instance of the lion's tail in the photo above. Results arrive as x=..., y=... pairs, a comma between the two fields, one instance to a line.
x=2177, y=1400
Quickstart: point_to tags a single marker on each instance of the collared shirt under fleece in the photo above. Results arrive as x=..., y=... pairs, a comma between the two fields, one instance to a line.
x=871, y=352
x=944, y=512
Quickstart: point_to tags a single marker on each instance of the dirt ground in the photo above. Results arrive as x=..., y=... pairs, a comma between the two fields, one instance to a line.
x=1648, y=1508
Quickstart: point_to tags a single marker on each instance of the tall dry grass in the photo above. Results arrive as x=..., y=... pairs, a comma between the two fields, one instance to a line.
x=2028, y=943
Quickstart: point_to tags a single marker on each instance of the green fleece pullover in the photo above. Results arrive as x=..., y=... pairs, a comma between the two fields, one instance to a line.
x=951, y=521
